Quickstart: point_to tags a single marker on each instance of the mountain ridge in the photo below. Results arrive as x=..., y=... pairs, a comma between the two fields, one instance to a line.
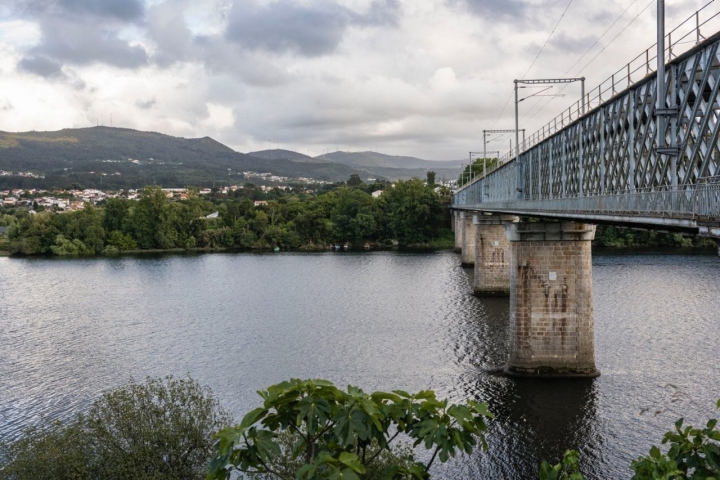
x=113, y=157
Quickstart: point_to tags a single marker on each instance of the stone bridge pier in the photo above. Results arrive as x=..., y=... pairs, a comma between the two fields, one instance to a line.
x=457, y=228
x=551, y=303
x=468, y=239
x=492, y=255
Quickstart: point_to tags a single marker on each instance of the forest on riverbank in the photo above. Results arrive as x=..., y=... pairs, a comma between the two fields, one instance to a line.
x=410, y=213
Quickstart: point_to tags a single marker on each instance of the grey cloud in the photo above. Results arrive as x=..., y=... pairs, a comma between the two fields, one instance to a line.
x=383, y=12
x=146, y=104
x=79, y=44
x=124, y=10
x=43, y=66
x=121, y=9
x=166, y=25
x=220, y=56
x=80, y=32
x=494, y=8
x=309, y=30
x=6, y=106
x=565, y=43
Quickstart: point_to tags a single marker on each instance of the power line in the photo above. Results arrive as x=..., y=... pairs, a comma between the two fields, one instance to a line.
x=601, y=36
x=616, y=36
x=503, y=110
x=548, y=39
x=598, y=54
x=533, y=63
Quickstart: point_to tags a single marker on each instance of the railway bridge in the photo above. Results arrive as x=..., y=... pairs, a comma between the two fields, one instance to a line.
x=641, y=150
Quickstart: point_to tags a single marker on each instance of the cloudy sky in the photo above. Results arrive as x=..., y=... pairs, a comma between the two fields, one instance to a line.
x=403, y=77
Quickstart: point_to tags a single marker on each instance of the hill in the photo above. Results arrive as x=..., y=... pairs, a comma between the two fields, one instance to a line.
x=124, y=158
x=395, y=166
x=375, y=159
x=280, y=154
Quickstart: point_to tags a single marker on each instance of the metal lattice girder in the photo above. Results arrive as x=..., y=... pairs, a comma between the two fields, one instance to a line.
x=611, y=152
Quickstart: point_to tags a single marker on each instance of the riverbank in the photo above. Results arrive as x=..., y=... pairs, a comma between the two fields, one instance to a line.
x=442, y=244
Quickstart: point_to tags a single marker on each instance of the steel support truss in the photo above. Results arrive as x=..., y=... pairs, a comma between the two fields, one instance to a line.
x=606, y=161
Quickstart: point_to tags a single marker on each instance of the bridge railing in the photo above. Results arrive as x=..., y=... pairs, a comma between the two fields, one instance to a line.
x=679, y=40
x=612, y=151
x=693, y=201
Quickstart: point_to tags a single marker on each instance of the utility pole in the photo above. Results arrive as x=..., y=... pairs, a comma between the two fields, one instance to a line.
x=485, y=132
x=517, y=124
x=661, y=111
x=543, y=81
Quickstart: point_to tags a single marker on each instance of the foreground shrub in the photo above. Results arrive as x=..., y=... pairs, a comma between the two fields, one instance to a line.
x=694, y=454
x=310, y=429
x=159, y=429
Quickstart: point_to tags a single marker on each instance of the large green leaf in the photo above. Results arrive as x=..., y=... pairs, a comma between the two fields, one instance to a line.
x=352, y=461
x=252, y=417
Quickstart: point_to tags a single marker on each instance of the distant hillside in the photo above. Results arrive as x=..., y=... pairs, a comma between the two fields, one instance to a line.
x=375, y=159
x=130, y=159
x=280, y=154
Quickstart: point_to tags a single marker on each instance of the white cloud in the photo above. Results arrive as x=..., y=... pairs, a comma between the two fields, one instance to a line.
x=19, y=33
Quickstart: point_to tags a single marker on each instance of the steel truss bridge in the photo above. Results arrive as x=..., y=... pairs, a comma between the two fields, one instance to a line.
x=604, y=166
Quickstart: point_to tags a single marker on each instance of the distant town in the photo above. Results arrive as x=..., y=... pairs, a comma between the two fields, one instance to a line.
x=71, y=199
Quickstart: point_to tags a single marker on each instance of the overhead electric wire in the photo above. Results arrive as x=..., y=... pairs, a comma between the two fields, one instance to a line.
x=581, y=57
x=616, y=36
x=502, y=111
x=601, y=36
x=548, y=39
x=598, y=54
x=533, y=62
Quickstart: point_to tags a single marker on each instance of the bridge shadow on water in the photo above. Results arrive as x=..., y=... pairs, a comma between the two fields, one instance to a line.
x=536, y=419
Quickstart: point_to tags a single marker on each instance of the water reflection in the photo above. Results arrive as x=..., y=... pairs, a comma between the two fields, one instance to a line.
x=383, y=320
x=536, y=419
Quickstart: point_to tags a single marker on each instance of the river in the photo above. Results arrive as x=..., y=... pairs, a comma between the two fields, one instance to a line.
x=382, y=320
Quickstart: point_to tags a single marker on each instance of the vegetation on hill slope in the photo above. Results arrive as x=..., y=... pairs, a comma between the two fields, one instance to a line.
x=111, y=158
x=102, y=157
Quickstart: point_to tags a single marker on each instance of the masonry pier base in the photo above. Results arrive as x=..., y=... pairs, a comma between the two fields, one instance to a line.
x=458, y=229
x=551, y=304
x=468, y=240
x=492, y=255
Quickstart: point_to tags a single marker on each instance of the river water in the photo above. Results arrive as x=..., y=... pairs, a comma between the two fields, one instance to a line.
x=383, y=320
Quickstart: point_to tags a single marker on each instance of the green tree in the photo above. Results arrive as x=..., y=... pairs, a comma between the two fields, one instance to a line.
x=117, y=211
x=66, y=247
x=353, y=213
x=341, y=433
x=156, y=430
x=476, y=168
x=413, y=211
x=431, y=178
x=121, y=241
x=85, y=225
x=146, y=216
x=33, y=234
x=354, y=180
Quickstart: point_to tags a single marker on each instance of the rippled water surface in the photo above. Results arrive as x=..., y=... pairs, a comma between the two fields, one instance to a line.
x=240, y=322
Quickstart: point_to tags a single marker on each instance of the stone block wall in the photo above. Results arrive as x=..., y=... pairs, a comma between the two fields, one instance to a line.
x=468, y=241
x=492, y=256
x=458, y=231
x=551, y=303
